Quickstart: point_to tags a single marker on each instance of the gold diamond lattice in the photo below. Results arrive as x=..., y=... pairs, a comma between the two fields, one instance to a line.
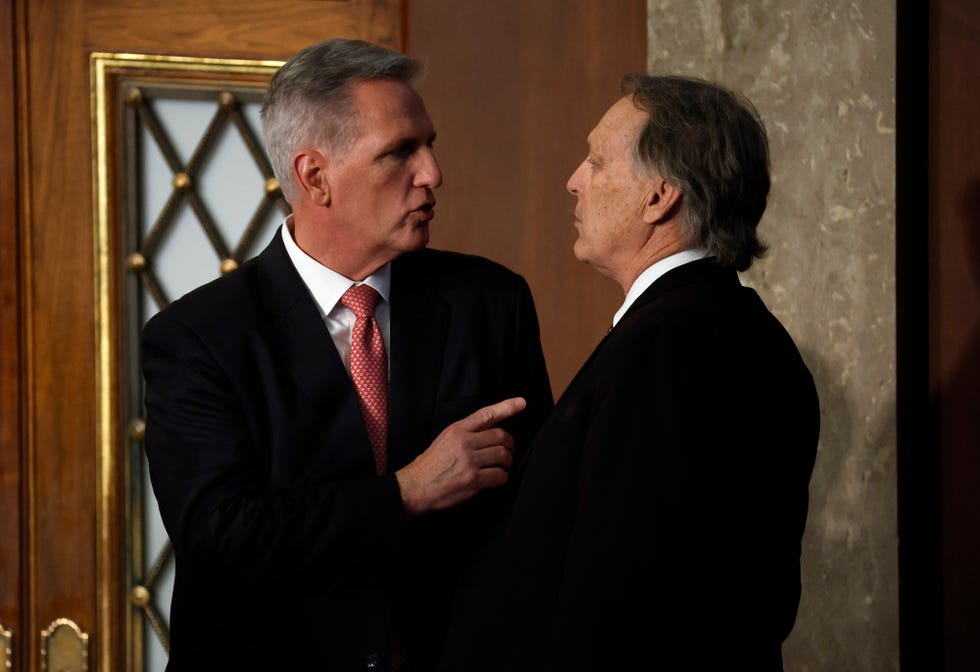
x=141, y=595
x=186, y=189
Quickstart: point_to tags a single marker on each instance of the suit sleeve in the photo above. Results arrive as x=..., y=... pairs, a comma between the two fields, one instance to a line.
x=230, y=529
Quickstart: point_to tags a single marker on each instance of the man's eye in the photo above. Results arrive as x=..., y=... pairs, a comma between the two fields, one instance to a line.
x=403, y=152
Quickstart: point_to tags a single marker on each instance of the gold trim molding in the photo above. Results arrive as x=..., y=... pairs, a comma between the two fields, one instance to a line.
x=64, y=647
x=106, y=69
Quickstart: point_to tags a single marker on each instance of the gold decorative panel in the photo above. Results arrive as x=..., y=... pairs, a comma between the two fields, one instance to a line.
x=184, y=193
x=64, y=647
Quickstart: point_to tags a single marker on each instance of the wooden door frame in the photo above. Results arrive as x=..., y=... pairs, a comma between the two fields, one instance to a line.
x=12, y=553
x=117, y=423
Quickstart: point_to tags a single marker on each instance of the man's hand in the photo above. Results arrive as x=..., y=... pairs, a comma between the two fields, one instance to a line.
x=468, y=456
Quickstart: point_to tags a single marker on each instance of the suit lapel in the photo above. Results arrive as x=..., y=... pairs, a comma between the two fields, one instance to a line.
x=302, y=343
x=302, y=338
x=419, y=329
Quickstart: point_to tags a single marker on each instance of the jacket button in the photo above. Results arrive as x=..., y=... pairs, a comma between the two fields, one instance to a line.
x=372, y=661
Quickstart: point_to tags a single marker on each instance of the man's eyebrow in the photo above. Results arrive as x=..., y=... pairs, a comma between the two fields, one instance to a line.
x=406, y=141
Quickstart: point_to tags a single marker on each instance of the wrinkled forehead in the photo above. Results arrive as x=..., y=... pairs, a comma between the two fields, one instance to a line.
x=388, y=110
x=619, y=127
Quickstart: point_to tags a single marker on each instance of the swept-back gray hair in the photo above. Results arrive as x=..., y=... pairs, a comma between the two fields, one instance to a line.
x=308, y=102
x=709, y=142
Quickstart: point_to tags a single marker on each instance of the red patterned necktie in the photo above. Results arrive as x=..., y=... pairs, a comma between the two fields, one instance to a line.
x=369, y=368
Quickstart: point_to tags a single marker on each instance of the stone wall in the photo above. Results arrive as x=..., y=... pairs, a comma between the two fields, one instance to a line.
x=822, y=74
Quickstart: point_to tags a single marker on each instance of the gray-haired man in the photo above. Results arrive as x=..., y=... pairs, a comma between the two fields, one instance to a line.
x=318, y=519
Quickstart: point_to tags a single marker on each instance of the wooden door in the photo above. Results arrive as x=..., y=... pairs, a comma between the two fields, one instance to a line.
x=64, y=598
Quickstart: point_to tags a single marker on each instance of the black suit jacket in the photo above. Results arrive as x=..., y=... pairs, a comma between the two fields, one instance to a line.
x=659, y=514
x=290, y=552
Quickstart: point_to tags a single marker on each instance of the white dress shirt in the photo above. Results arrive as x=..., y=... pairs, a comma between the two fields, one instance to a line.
x=648, y=276
x=327, y=286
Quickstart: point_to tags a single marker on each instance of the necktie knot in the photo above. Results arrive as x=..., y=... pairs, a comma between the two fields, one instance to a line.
x=361, y=299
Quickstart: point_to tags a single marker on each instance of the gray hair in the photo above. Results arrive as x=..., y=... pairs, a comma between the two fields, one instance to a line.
x=308, y=101
x=710, y=143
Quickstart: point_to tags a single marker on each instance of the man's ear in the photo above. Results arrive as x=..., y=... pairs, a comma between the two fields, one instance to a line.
x=310, y=170
x=661, y=202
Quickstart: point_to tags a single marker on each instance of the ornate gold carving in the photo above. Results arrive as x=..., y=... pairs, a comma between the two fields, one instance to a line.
x=137, y=428
x=182, y=181
x=227, y=100
x=6, y=650
x=136, y=262
x=228, y=265
x=64, y=647
x=140, y=596
x=153, y=616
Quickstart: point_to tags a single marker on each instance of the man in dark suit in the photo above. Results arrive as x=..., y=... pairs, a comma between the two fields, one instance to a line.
x=321, y=469
x=658, y=515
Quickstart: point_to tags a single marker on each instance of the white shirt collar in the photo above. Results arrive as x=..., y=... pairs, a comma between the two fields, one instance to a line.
x=325, y=284
x=652, y=273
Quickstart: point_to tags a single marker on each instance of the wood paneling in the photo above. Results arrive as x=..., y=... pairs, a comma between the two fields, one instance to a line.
x=514, y=88
x=10, y=392
x=59, y=270
x=234, y=29
x=938, y=301
x=954, y=300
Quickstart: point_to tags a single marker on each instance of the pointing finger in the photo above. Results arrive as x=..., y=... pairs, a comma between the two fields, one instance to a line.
x=489, y=416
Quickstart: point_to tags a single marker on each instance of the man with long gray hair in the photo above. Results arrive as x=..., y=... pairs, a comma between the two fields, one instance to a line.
x=326, y=425
x=659, y=514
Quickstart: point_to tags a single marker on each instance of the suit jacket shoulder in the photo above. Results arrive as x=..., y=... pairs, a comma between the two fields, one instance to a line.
x=671, y=478
x=260, y=289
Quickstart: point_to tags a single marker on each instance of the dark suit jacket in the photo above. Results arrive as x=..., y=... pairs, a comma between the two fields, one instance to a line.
x=659, y=514
x=290, y=552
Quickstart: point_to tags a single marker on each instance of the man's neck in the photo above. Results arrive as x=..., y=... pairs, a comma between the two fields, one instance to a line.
x=342, y=254
x=664, y=242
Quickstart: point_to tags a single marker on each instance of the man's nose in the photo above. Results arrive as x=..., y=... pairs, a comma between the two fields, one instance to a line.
x=429, y=174
x=570, y=186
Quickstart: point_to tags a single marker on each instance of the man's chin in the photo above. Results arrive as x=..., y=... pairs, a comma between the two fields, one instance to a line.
x=418, y=238
x=422, y=231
